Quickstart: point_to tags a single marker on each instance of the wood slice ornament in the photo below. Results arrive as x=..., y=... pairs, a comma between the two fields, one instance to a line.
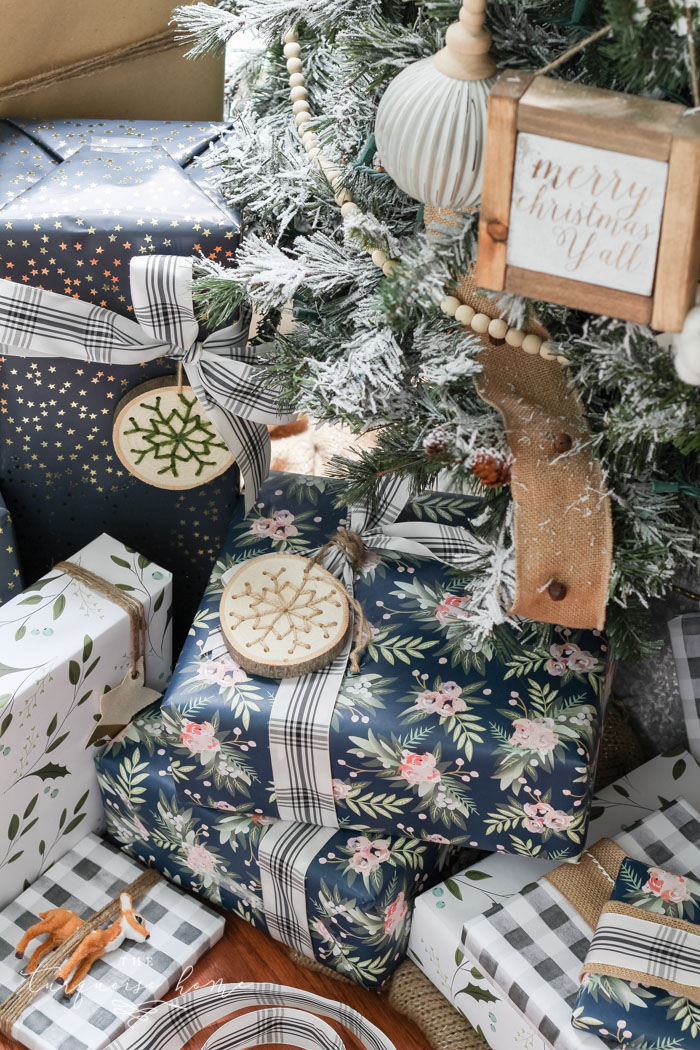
x=283, y=615
x=163, y=436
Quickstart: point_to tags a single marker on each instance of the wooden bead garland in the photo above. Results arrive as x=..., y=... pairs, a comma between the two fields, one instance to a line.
x=449, y=304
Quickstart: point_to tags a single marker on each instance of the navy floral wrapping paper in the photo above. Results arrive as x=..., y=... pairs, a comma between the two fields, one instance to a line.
x=493, y=747
x=360, y=889
x=78, y=199
x=638, y=1016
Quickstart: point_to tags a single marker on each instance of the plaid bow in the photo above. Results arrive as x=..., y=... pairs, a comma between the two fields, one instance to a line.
x=220, y=370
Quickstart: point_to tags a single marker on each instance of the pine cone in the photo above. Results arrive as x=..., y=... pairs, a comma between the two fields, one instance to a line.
x=436, y=443
x=491, y=467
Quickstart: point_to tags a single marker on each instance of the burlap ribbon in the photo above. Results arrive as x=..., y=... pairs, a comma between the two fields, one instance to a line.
x=22, y=997
x=587, y=886
x=562, y=519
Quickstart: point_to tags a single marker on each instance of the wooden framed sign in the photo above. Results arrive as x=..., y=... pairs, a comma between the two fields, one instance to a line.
x=591, y=199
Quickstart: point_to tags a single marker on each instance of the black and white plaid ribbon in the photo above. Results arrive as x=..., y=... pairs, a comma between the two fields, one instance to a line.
x=292, y=1015
x=37, y=323
x=647, y=948
x=685, y=641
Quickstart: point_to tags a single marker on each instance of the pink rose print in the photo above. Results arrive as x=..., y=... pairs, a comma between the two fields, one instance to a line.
x=364, y=863
x=377, y=848
x=370, y=560
x=340, y=788
x=535, y=734
x=280, y=527
x=260, y=818
x=225, y=805
x=418, y=769
x=537, y=809
x=395, y=914
x=200, y=860
x=452, y=607
x=534, y=825
x=261, y=526
x=541, y=815
x=558, y=820
x=569, y=656
x=438, y=838
x=669, y=887
x=322, y=929
x=198, y=736
x=222, y=672
x=446, y=702
x=429, y=701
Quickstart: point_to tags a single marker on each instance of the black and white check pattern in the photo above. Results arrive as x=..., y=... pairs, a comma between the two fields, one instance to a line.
x=37, y=323
x=303, y=708
x=648, y=948
x=284, y=856
x=133, y=976
x=280, y=1025
x=533, y=947
x=170, y=1025
x=685, y=641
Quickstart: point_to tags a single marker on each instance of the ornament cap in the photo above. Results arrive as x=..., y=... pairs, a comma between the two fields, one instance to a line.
x=465, y=55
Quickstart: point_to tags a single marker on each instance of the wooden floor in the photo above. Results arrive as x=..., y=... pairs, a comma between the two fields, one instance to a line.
x=247, y=954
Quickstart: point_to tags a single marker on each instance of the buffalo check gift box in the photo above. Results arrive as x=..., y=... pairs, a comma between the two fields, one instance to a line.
x=436, y=737
x=63, y=644
x=126, y=980
x=535, y=945
x=340, y=897
x=444, y=913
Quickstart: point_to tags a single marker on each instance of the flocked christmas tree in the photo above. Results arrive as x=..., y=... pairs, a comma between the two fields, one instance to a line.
x=370, y=346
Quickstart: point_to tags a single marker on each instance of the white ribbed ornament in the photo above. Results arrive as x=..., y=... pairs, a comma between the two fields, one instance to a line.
x=431, y=123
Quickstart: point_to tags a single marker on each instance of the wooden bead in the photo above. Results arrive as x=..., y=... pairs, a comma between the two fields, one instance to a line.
x=562, y=443
x=532, y=343
x=310, y=138
x=480, y=323
x=348, y=209
x=290, y=36
x=562, y=360
x=547, y=353
x=464, y=314
x=313, y=153
x=297, y=94
x=450, y=305
x=389, y=267
x=378, y=257
x=296, y=80
x=557, y=591
x=302, y=118
x=342, y=197
x=294, y=65
x=497, y=328
x=292, y=50
x=515, y=336
x=302, y=106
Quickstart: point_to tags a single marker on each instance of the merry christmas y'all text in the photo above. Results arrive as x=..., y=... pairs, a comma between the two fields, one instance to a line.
x=606, y=203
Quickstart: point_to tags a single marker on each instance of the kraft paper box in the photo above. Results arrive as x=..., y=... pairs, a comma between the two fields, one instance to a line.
x=61, y=646
x=163, y=85
x=442, y=912
x=433, y=738
x=128, y=979
x=60, y=475
x=533, y=945
x=352, y=894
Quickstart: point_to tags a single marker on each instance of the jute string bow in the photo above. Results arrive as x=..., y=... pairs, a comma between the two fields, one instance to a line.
x=352, y=546
x=33, y=985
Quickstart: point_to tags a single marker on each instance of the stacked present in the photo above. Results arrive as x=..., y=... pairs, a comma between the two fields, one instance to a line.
x=319, y=806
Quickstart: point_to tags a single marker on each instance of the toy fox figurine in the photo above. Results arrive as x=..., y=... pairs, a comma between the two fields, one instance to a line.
x=96, y=944
x=59, y=923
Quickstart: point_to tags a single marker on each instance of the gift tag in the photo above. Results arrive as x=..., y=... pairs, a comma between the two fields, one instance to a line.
x=283, y=615
x=119, y=705
x=164, y=437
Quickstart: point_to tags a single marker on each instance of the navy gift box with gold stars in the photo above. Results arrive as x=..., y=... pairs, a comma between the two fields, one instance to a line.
x=78, y=200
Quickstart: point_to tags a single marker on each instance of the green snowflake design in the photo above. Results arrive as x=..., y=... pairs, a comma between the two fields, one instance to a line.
x=182, y=436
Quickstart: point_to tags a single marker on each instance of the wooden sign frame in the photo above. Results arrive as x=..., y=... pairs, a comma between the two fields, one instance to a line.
x=640, y=127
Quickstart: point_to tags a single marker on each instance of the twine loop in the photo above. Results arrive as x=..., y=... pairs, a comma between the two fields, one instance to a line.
x=13, y=1007
x=353, y=547
x=130, y=604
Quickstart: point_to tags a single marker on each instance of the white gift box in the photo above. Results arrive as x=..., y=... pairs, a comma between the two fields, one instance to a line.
x=61, y=646
x=441, y=913
x=129, y=979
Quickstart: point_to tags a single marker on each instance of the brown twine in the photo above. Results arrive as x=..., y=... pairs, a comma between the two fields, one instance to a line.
x=131, y=606
x=22, y=997
x=574, y=50
x=84, y=67
x=352, y=546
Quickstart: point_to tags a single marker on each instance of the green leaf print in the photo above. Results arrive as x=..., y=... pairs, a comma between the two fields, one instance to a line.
x=73, y=672
x=87, y=648
x=58, y=606
x=480, y=995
